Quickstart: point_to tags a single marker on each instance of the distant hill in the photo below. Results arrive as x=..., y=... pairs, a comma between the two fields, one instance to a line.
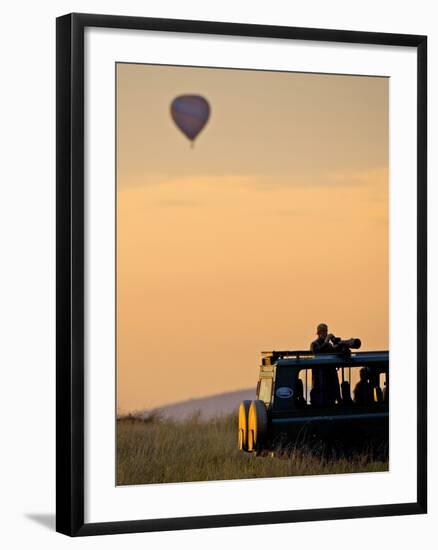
x=208, y=407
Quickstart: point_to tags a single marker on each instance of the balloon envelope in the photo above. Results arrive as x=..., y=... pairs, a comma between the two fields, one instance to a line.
x=190, y=113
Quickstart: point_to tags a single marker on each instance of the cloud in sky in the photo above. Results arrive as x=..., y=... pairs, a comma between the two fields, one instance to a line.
x=270, y=182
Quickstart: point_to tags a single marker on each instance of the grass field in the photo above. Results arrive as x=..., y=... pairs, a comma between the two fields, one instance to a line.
x=154, y=450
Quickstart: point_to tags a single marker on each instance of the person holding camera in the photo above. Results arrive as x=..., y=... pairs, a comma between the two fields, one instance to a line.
x=329, y=343
x=325, y=383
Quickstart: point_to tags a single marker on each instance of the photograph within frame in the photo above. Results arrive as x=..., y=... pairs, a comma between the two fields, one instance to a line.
x=280, y=204
x=70, y=273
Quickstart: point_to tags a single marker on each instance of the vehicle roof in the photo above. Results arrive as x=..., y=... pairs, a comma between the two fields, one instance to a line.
x=305, y=359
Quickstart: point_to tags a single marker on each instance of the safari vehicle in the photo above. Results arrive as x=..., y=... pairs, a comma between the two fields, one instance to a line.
x=289, y=407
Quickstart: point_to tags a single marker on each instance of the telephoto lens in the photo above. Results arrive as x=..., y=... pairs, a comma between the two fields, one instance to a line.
x=354, y=343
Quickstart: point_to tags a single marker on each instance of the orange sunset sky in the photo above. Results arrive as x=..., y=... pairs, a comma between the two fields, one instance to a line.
x=275, y=221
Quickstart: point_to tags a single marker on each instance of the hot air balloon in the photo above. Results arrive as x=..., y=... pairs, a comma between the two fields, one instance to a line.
x=190, y=113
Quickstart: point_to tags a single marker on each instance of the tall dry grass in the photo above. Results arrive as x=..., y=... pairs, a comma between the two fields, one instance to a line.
x=155, y=450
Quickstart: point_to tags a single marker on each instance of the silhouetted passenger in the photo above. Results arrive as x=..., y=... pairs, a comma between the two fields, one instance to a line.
x=363, y=391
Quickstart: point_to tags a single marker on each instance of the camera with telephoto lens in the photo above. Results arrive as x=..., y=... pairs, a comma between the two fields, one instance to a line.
x=346, y=345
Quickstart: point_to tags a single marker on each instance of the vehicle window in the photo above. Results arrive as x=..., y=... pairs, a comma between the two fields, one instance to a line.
x=343, y=386
x=384, y=384
x=305, y=375
x=365, y=384
x=265, y=390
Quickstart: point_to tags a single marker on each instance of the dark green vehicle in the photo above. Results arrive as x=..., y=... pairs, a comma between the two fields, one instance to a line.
x=341, y=398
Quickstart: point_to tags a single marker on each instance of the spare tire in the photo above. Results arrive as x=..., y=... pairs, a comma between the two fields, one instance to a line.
x=257, y=426
x=242, y=426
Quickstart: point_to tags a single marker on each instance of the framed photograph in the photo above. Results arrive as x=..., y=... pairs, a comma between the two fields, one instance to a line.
x=241, y=274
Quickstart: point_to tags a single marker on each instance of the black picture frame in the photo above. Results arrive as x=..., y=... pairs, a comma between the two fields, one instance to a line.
x=70, y=273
